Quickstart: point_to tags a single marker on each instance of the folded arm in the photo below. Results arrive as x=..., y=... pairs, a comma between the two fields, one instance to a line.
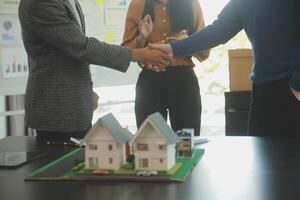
x=132, y=36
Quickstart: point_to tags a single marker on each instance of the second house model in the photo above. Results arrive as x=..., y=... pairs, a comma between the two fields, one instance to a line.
x=154, y=145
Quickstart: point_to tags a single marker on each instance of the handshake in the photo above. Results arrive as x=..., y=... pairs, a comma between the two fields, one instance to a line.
x=154, y=57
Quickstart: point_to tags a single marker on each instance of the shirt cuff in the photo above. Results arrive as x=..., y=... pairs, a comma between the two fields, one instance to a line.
x=175, y=48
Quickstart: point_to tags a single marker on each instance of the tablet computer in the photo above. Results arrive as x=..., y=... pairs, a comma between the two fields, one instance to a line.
x=18, y=158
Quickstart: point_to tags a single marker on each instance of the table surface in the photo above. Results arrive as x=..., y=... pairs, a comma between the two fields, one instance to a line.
x=232, y=168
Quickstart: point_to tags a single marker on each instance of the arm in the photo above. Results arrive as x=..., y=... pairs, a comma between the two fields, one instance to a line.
x=49, y=20
x=132, y=36
x=199, y=25
x=222, y=30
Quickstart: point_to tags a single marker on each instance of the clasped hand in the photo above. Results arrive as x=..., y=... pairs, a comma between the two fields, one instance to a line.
x=159, y=56
x=165, y=48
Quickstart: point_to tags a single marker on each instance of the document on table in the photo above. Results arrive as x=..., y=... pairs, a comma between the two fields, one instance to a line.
x=200, y=140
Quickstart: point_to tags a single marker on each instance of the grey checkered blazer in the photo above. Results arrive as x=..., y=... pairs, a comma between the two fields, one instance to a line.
x=59, y=88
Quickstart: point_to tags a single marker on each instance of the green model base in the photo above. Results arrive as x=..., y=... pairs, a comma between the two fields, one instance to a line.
x=77, y=172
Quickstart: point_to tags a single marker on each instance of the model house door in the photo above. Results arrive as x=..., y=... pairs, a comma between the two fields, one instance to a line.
x=143, y=163
x=93, y=162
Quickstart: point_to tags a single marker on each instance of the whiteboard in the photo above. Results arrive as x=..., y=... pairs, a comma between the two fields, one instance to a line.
x=105, y=20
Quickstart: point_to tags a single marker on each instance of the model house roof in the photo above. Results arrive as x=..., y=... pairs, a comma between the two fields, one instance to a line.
x=183, y=134
x=128, y=134
x=121, y=135
x=160, y=125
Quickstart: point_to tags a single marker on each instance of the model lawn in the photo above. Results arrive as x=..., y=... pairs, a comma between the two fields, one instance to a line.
x=78, y=172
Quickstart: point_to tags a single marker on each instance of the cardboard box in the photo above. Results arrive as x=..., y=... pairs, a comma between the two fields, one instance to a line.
x=240, y=66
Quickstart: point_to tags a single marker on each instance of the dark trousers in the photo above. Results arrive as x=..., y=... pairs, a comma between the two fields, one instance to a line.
x=174, y=92
x=48, y=136
x=274, y=110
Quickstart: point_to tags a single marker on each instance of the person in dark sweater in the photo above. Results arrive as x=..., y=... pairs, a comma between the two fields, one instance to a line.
x=273, y=28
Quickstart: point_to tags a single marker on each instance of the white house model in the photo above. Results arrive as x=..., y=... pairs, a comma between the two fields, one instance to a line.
x=106, y=144
x=154, y=145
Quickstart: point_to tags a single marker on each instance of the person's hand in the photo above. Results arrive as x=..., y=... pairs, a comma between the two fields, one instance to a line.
x=145, y=26
x=95, y=99
x=149, y=66
x=153, y=58
x=165, y=48
x=296, y=93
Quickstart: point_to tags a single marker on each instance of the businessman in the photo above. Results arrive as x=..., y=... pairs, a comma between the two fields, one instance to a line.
x=273, y=28
x=59, y=89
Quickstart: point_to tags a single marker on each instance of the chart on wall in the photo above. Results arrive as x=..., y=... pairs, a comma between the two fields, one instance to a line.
x=10, y=29
x=14, y=63
x=13, y=58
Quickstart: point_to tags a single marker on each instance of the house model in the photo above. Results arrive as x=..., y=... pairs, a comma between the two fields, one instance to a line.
x=106, y=144
x=154, y=145
x=185, y=146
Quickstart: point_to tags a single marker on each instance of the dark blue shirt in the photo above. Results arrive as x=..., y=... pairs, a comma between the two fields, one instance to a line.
x=273, y=28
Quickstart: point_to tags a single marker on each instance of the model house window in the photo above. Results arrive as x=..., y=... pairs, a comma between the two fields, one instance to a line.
x=110, y=147
x=93, y=162
x=178, y=145
x=161, y=161
x=110, y=160
x=161, y=147
x=93, y=146
x=142, y=147
x=143, y=163
x=180, y=153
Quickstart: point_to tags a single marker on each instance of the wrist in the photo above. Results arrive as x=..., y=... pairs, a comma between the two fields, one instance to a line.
x=141, y=38
x=136, y=55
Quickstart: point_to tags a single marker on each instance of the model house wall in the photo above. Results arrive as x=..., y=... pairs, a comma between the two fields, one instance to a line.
x=171, y=151
x=106, y=152
x=106, y=144
x=155, y=151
